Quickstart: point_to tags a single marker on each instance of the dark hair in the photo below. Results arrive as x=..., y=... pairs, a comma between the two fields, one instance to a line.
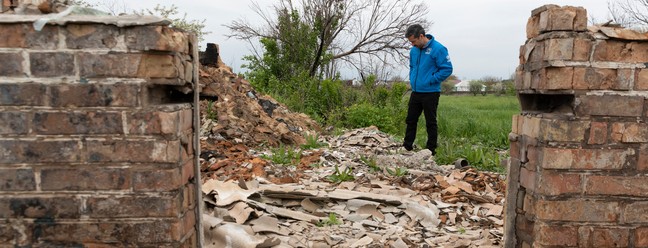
x=416, y=30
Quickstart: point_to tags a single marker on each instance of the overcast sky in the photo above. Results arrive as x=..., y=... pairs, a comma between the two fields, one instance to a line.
x=482, y=36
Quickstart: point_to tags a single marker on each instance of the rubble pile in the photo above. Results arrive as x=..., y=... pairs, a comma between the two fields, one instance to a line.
x=232, y=110
x=423, y=205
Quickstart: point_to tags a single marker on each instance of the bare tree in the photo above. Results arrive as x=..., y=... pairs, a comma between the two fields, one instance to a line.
x=630, y=13
x=346, y=29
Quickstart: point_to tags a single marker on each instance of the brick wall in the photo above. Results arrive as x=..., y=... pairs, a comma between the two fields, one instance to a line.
x=578, y=174
x=97, y=141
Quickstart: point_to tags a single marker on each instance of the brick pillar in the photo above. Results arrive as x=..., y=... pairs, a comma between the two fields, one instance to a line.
x=97, y=139
x=578, y=169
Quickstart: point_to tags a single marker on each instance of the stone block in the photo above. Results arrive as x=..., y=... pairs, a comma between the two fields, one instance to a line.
x=157, y=180
x=585, y=159
x=528, y=179
x=158, y=66
x=11, y=65
x=559, y=49
x=610, y=105
x=153, y=122
x=531, y=126
x=186, y=119
x=557, y=78
x=537, y=53
x=85, y=179
x=642, y=164
x=533, y=27
x=598, y=133
x=578, y=210
x=17, y=180
x=588, y=78
x=133, y=150
x=161, y=233
x=635, y=213
x=157, y=38
x=51, y=64
x=13, y=123
x=134, y=206
x=39, y=151
x=71, y=123
x=603, y=236
x=617, y=185
x=24, y=36
x=27, y=94
x=621, y=51
x=642, y=80
x=553, y=183
x=84, y=36
x=53, y=207
x=556, y=235
x=95, y=95
x=629, y=132
x=124, y=65
x=582, y=49
x=563, y=130
x=563, y=19
x=641, y=237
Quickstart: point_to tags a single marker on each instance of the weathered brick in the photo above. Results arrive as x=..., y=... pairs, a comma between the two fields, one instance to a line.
x=528, y=179
x=554, y=235
x=78, y=123
x=153, y=121
x=629, y=132
x=40, y=207
x=13, y=122
x=24, y=36
x=27, y=94
x=95, y=95
x=582, y=49
x=610, y=105
x=617, y=185
x=558, y=183
x=559, y=49
x=51, y=64
x=557, y=78
x=39, y=151
x=131, y=206
x=158, y=66
x=625, y=79
x=537, y=52
x=11, y=65
x=85, y=179
x=642, y=80
x=531, y=126
x=528, y=205
x=598, y=133
x=156, y=38
x=17, y=180
x=186, y=119
x=603, y=237
x=585, y=159
x=621, y=51
x=642, y=164
x=158, y=180
x=563, y=19
x=80, y=36
x=641, y=237
x=115, y=233
x=563, y=130
x=636, y=212
x=578, y=210
x=104, y=150
x=595, y=79
x=533, y=27
x=533, y=157
x=109, y=65
x=524, y=228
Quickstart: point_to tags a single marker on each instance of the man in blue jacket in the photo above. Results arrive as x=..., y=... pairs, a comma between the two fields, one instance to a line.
x=429, y=66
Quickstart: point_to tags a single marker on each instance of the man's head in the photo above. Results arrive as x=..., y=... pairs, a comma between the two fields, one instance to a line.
x=416, y=35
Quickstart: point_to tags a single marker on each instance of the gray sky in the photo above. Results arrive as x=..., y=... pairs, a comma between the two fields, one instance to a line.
x=482, y=36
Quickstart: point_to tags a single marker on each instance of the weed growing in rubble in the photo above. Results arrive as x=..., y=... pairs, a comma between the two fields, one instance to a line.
x=312, y=142
x=398, y=172
x=211, y=113
x=330, y=221
x=284, y=155
x=371, y=163
x=341, y=176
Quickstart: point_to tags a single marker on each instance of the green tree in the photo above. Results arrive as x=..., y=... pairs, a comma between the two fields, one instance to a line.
x=630, y=13
x=476, y=87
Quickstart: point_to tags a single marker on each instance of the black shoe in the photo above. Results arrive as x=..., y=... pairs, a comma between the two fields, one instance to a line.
x=408, y=147
x=433, y=150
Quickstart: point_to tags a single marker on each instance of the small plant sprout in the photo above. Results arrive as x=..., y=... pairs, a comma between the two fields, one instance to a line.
x=341, y=176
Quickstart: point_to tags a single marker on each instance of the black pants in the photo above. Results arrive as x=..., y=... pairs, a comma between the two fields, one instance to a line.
x=426, y=103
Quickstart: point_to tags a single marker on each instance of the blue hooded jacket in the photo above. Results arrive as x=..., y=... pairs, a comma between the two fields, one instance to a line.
x=429, y=66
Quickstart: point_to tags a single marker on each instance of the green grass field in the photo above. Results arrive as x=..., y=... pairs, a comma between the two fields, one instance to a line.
x=473, y=127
